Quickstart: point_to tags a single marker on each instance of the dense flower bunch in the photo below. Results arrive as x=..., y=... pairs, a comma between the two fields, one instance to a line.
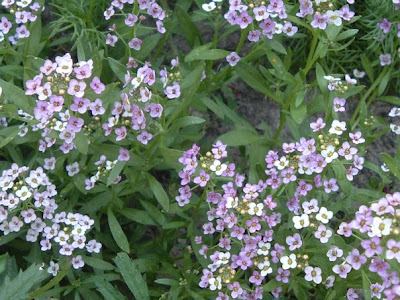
x=324, y=12
x=27, y=199
x=63, y=109
x=263, y=17
x=249, y=249
x=141, y=10
x=21, y=13
x=377, y=227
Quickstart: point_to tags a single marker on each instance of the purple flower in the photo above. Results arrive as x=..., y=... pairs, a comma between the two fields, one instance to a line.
x=385, y=25
x=338, y=104
x=393, y=249
x=97, y=108
x=372, y=247
x=144, y=137
x=236, y=289
x=379, y=266
x=76, y=88
x=202, y=179
x=233, y=59
x=254, y=35
x=123, y=155
x=385, y=59
x=356, y=259
x=294, y=242
x=313, y=274
x=96, y=85
x=342, y=270
x=320, y=21
x=173, y=91
x=244, y=20
x=135, y=44
x=80, y=105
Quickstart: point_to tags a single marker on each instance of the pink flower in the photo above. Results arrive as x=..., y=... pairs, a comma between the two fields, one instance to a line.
x=233, y=59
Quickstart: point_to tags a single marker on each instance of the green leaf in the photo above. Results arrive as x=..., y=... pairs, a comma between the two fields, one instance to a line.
x=139, y=216
x=323, y=86
x=154, y=212
x=383, y=84
x=240, y=137
x=188, y=28
x=118, y=69
x=98, y=263
x=392, y=164
x=117, y=232
x=107, y=290
x=81, y=142
x=115, y=172
x=298, y=113
x=299, y=291
x=17, y=96
x=390, y=99
x=367, y=67
x=211, y=105
x=254, y=79
x=346, y=34
x=366, y=286
x=271, y=285
x=187, y=121
x=3, y=262
x=19, y=287
x=203, y=53
x=8, y=134
x=132, y=276
x=148, y=44
x=158, y=191
x=276, y=46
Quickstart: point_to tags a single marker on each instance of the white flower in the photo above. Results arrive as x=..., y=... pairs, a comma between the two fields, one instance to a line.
x=380, y=227
x=359, y=74
x=329, y=154
x=209, y=6
x=263, y=248
x=232, y=202
x=289, y=262
x=301, y=221
x=223, y=258
x=137, y=81
x=23, y=193
x=337, y=127
x=395, y=128
x=324, y=215
x=384, y=168
x=395, y=111
x=281, y=163
x=217, y=167
x=64, y=64
x=23, y=3
x=215, y=283
x=255, y=209
x=53, y=269
x=334, y=17
x=111, y=164
x=265, y=268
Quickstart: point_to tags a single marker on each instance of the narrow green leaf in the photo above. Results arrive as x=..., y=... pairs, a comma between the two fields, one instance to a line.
x=366, y=286
x=81, y=142
x=98, y=263
x=187, y=121
x=117, y=232
x=115, y=172
x=240, y=137
x=367, y=67
x=298, y=113
x=383, y=84
x=17, y=96
x=211, y=105
x=271, y=285
x=18, y=288
x=139, y=216
x=188, y=28
x=118, y=69
x=132, y=276
x=346, y=34
x=158, y=191
x=8, y=134
x=107, y=290
x=204, y=53
x=148, y=44
x=392, y=164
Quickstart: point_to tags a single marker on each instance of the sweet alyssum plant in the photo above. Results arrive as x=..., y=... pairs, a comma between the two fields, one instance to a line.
x=115, y=178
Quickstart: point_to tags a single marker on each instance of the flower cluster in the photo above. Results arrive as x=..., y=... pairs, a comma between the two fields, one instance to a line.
x=268, y=17
x=249, y=246
x=27, y=200
x=141, y=9
x=377, y=227
x=23, y=12
x=339, y=85
x=63, y=109
x=324, y=12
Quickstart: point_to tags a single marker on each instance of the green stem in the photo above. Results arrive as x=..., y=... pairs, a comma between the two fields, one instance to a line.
x=90, y=13
x=52, y=282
